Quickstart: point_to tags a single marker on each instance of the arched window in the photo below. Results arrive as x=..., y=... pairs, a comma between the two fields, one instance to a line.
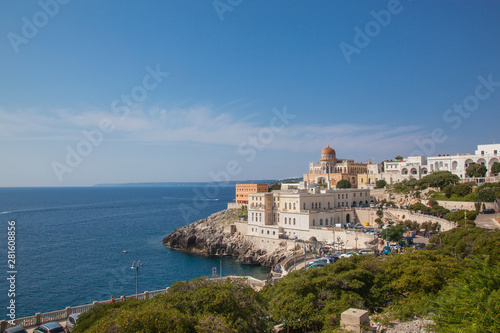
x=294, y=221
x=320, y=221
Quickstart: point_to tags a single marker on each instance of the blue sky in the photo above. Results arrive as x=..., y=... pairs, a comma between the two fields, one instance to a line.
x=209, y=82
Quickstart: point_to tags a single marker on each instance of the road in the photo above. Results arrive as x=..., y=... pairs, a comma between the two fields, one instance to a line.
x=487, y=221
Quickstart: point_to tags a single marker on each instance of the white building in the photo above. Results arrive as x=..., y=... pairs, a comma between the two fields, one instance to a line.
x=295, y=210
x=411, y=167
x=486, y=155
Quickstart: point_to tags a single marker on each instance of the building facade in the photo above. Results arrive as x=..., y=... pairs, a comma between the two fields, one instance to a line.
x=486, y=155
x=331, y=170
x=412, y=167
x=293, y=212
x=243, y=190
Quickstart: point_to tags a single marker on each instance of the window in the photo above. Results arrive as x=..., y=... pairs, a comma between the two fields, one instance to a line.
x=320, y=205
x=304, y=206
x=293, y=221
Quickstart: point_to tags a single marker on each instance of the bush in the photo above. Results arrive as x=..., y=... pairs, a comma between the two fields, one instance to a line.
x=380, y=183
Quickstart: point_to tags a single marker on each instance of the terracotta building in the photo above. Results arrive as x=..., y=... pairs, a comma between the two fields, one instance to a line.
x=243, y=190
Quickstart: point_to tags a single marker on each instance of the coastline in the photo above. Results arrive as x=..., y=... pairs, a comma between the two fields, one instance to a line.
x=218, y=234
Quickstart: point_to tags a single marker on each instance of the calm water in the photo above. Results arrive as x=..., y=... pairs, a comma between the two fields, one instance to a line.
x=70, y=242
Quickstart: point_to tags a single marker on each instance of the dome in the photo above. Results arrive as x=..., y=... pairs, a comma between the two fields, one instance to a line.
x=328, y=151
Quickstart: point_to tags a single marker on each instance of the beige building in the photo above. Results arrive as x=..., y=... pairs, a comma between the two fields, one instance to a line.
x=331, y=170
x=294, y=211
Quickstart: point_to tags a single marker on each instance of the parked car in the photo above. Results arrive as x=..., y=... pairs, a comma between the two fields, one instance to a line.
x=323, y=260
x=15, y=329
x=419, y=246
x=367, y=251
x=348, y=254
x=372, y=205
x=51, y=327
x=487, y=211
x=386, y=250
x=317, y=264
x=71, y=322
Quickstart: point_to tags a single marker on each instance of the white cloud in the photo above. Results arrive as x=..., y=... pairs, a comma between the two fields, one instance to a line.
x=203, y=125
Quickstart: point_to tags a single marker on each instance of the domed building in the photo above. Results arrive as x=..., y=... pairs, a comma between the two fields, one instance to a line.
x=331, y=170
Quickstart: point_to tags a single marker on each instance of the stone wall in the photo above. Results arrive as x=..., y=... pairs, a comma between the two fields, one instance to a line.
x=467, y=205
x=408, y=215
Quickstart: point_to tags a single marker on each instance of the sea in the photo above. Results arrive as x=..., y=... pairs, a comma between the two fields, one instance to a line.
x=74, y=246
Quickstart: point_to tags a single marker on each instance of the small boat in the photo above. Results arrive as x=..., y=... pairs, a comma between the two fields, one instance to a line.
x=124, y=251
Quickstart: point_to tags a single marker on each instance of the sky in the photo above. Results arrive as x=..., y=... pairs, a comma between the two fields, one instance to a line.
x=127, y=91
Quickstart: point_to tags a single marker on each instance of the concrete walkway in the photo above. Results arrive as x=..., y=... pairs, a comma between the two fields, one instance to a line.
x=487, y=221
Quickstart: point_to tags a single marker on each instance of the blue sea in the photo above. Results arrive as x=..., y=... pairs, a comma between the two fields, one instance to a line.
x=69, y=242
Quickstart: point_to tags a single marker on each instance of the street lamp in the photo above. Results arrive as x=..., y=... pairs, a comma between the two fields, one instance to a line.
x=356, y=239
x=135, y=265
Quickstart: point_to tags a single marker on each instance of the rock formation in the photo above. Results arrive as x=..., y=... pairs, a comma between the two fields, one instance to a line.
x=212, y=237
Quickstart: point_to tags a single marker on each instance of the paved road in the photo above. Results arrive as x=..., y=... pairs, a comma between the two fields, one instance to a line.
x=487, y=221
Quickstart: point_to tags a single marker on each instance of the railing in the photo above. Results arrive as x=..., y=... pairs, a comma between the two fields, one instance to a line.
x=61, y=315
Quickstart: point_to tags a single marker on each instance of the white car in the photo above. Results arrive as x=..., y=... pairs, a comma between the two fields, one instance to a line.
x=349, y=254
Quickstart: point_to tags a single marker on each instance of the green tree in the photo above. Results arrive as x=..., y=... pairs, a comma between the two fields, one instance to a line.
x=393, y=234
x=472, y=303
x=419, y=207
x=276, y=186
x=380, y=213
x=399, y=158
x=380, y=183
x=476, y=170
x=197, y=306
x=438, y=179
x=486, y=194
x=462, y=190
x=344, y=183
x=495, y=168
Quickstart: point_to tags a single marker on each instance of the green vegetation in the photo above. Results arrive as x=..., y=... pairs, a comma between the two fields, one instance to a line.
x=393, y=234
x=399, y=158
x=344, y=184
x=197, y=306
x=243, y=211
x=476, y=170
x=439, y=179
x=276, y=186
x=380, y=183
x=455, y=282
x=495, y=168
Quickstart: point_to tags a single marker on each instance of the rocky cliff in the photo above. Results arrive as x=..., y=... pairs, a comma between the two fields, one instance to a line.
x=210, y=237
